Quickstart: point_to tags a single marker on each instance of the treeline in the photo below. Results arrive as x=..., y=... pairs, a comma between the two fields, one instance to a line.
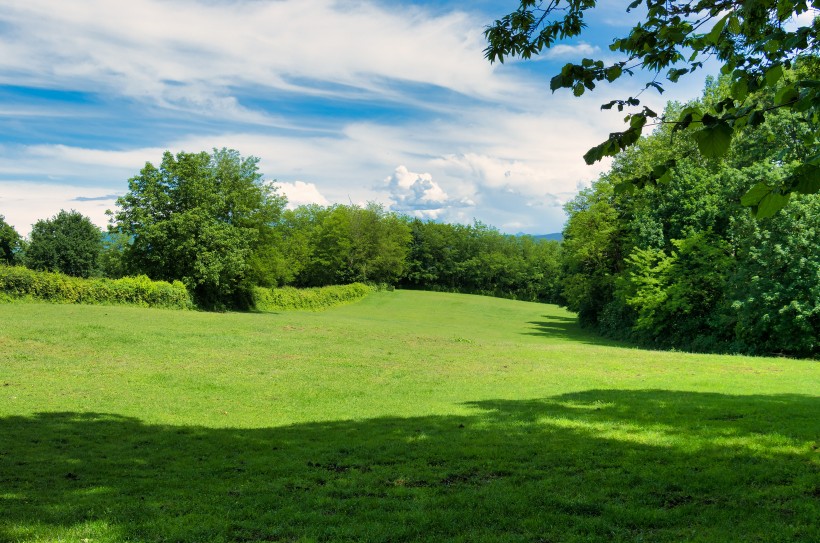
x=682, y=264
x=209, y=221
x=315, y=246
x=678, y=262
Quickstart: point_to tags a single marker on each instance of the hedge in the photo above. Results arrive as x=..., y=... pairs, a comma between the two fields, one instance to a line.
x=280, y=299
x=18, y=282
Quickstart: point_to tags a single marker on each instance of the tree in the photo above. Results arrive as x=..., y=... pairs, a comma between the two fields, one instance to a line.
x=352, y=243
x=112, y=262
x=68, y=243
x=10, y=242
x=753, y=41
x=683, y=264
x=199, y=218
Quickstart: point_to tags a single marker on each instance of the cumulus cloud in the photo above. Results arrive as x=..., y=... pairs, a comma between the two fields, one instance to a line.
x=418, y=195
x=301, y=193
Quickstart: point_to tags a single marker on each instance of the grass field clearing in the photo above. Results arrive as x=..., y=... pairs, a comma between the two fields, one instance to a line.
x=407, y=416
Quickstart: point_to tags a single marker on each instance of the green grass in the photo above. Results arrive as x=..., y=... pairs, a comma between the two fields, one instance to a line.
x=408, y=416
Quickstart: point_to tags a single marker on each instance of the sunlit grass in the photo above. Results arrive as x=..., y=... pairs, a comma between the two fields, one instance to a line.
x=407, y=416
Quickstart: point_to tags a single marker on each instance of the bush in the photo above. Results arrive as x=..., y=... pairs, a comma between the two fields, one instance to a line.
x=19, y=282
x=266, y=299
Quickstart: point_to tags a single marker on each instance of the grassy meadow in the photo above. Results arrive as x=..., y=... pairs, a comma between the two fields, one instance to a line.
x=408, y=416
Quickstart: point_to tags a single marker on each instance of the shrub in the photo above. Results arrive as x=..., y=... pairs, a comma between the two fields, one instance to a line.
x=266, y=299
x=20, y=282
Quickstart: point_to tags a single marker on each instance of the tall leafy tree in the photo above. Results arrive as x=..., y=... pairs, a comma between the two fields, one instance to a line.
x=756, y=41
x=68, y=243
x=199, y=218
x=10, y=242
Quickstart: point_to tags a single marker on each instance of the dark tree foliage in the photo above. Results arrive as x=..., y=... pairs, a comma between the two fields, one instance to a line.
x=683, y=264
x=317, y=246
x=10, y=242
x=757, y=42
x=479, y=259
x=67, y=243
x=355, y=244
x=200, y=218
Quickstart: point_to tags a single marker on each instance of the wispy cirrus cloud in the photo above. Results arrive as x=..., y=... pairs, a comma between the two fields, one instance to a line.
x=332, y=95
x=192, y=55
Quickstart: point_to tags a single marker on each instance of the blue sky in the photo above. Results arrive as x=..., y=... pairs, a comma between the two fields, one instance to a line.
x=343, y=101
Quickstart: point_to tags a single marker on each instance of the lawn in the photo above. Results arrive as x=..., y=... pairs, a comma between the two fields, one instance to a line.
x=408, y=416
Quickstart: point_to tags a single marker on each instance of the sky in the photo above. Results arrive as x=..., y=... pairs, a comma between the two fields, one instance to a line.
x=346, y=101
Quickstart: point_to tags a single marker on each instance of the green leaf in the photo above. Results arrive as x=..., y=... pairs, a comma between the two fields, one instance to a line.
x=625, y=187
x=594, y=155
x=786, y=95
x=613, y=73
x=713, y=141
x=755, y=194
x=695, y=112
x=772, y=46
x=771, y=204
x=714, y=35
x=756, y=118
x=773, y=75
x=637, y=121
x=740, y=89
x=734, y=25
x=578, y=89
x=808, y=179
x=676, y=73
x=809, y=83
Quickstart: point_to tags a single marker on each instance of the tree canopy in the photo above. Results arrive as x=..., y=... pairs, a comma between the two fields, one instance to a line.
x=199, y=218
x=756, y=42
x=684, y=265
x=68, y=243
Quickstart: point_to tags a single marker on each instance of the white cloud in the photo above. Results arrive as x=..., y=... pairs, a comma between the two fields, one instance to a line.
x=577, y=50
x=480, y=156
x=301, y=193
x=25, y=203
x=190, y=54
x=418, y=195
x=804, y=19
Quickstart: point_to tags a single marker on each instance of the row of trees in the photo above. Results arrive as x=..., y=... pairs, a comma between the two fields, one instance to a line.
x=210, y=221
x=683, y=263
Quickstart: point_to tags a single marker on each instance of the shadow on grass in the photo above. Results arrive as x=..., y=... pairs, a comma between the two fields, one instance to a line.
x=593, y=466
x=568, y=328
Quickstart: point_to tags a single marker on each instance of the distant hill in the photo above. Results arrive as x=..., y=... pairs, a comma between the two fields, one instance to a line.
x=557, y=236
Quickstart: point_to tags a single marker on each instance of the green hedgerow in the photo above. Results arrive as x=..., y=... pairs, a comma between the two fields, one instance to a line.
x=19, y=282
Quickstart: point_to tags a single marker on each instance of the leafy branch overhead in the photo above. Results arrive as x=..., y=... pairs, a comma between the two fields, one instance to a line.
x=756, y=41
